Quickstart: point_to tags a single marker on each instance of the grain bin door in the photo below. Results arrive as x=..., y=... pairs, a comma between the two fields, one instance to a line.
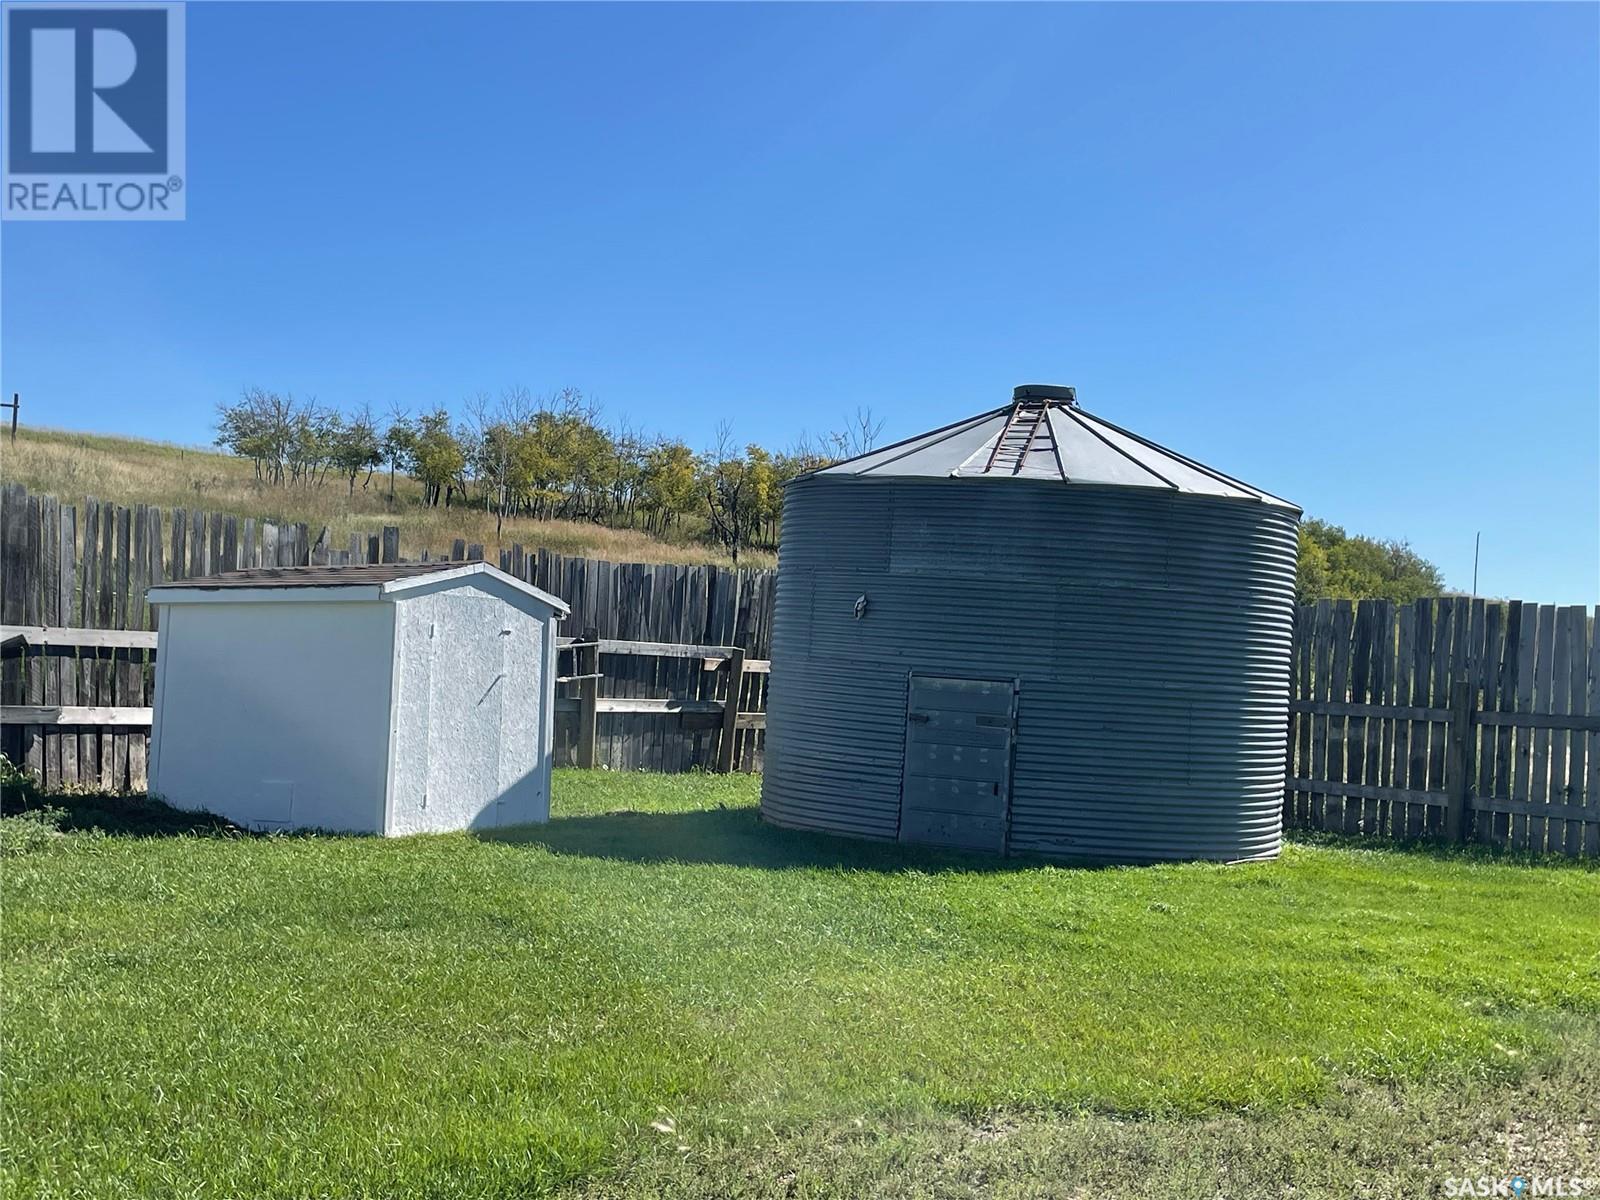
x=957, y=781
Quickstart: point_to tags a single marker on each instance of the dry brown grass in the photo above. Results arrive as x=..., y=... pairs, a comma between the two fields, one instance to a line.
x=132, y=471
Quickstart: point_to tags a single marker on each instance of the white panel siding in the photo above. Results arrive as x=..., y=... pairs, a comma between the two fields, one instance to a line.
x=470, y=751
x=276, y=715
x=528, y=701
x=414, y=651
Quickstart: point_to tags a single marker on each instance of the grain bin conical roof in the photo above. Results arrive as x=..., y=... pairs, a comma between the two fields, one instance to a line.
x=1043, y=434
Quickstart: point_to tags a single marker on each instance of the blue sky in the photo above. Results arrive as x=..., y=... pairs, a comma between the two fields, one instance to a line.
x=1350, y=253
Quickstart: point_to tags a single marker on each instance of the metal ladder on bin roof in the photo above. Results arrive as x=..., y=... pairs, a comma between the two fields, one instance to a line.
x=1021, y=434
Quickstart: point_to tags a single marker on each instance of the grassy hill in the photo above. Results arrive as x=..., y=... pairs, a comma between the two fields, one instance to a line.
x=129, y=471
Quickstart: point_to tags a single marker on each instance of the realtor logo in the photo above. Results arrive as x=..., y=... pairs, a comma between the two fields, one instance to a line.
x=94, y=120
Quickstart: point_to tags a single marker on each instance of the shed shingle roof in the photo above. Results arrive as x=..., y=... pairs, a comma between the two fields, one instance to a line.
x=366, y=581
x=363, y=575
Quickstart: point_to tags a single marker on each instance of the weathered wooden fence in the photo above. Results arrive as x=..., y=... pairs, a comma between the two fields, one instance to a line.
x=714, y=712
x=687, y=609
x=1453, y=718
x=65, y=569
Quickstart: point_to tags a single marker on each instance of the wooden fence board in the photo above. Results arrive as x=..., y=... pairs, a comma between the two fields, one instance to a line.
x=32, y=748
x=66, y=608
x=1385, y=649
x=1522, y=772
x=1486, y=694
x=1321, y=665
x=1572, y=682
x=50, y=614
x=1560, y=703
x=1422, y=645
x=1444, y=652
x=1539, y=779
x=122, y=673
x=1404, y=669
x=1356, y=726
x=1499, y=826
x=1291, y=796
x=13, y=550
x=110, y=716
x=88, y=681
x=1591, y=834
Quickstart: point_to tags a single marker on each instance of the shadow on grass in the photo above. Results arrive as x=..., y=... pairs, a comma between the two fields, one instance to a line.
x=717, y=836
x=738, y=837
x=735, y=837
x=114, y=815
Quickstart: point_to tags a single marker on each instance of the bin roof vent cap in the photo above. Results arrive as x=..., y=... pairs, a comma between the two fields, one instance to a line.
x=1045, y=391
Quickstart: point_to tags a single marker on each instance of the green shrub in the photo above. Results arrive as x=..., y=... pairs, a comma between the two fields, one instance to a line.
x=31, y=831
x=17, y=788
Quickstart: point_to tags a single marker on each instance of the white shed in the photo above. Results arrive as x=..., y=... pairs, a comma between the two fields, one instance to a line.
x=395, y=698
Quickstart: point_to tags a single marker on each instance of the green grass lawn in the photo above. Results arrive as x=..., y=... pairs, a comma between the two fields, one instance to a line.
x=656, y=994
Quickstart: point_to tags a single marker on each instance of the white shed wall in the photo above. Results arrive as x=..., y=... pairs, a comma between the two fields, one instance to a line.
x=275, y=715
x=472, y=711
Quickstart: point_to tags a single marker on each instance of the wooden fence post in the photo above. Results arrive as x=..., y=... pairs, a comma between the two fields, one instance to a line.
x=1458, y=760
x=730, y=711
x=586, y=659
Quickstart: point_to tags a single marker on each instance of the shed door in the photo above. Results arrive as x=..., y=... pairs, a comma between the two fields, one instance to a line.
x=957, y=781
x=465, y=686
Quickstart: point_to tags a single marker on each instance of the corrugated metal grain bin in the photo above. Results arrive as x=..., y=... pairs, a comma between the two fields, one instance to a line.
x=1033, y=632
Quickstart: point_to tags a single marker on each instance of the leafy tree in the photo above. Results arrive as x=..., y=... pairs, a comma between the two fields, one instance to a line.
x=259, y=426
x=314, y=431
x=625, y=470
x=435, y=457
x=669, y=485
x=289, y=441
x=356, y=447
x=501, y=459
x=1337, y=565
x=763, y=497
x=399, y=439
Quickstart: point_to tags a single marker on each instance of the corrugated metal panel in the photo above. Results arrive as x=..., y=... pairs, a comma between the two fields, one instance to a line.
x=1150, y=632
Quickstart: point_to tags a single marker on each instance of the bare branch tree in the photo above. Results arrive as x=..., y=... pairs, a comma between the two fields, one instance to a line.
x=859, y=435
x=724, y=474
